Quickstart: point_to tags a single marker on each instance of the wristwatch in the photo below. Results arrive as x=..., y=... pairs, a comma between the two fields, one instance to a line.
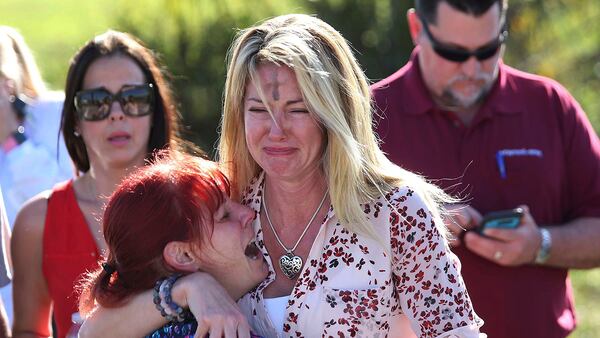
x=544, y=252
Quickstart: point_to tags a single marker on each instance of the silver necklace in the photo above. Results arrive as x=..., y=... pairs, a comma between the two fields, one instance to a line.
x=290, y=263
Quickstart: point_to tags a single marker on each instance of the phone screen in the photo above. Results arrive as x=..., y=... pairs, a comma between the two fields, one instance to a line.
x=506, y=219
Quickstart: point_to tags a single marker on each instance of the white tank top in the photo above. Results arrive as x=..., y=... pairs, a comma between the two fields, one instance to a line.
x=276, y=310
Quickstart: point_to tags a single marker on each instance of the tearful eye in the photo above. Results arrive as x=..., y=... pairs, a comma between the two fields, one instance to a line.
x=257, y=110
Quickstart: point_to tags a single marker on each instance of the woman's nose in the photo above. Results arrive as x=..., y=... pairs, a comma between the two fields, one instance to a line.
x=276, y=131
x=116, y=113
x=246, y=215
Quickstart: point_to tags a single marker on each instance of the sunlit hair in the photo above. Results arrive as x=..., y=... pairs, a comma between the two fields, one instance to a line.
x=336, y=93
x=172, y=199
x=17, y=64
x=165, y=118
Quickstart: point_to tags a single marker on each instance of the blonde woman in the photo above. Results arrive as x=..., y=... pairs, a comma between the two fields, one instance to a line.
x=353, y=242
x=29, y=126
x=29, y=132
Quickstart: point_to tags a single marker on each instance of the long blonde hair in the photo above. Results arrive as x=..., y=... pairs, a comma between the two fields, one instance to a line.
x=17, y=64
x=337, y=93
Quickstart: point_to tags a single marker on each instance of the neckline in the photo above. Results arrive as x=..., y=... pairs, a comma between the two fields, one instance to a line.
x=89, y=235
x=256, y=201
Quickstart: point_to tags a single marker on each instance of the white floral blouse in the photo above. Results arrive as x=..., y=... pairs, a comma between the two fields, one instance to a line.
x=350, y=287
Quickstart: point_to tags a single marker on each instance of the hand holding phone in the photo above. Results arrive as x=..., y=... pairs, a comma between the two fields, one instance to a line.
x=505, y=219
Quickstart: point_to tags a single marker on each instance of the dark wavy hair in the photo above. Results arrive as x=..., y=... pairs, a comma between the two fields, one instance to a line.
x=172, y=199
x=165, y=118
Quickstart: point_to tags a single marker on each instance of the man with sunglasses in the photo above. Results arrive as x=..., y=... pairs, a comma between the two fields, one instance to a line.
x=499, y=139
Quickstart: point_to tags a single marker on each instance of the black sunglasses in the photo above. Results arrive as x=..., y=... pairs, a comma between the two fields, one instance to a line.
x=461, y=55
x=95, y=104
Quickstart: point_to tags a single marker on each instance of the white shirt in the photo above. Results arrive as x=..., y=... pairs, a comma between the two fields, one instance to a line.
x=276, y=309
x=351, y=286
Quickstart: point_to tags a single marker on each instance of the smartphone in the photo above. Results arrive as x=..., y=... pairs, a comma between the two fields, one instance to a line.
x=505, y=219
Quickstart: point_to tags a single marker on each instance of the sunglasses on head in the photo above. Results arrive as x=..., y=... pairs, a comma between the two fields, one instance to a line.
x=461, y=55
x=96, y=104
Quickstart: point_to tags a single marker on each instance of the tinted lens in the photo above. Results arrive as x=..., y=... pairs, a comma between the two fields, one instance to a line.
x=459, y=55
x=137, y=101
x=462, y=55
x=456, y=55
x=485, y=53
x=93, y=105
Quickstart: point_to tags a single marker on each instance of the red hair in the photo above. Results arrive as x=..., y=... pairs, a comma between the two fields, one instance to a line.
x=172, y=199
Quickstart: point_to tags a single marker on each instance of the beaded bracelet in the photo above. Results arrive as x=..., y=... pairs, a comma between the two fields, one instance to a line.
x=157, y=301
x=164, y=302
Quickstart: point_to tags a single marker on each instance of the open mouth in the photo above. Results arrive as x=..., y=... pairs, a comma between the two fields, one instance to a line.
x=252, y=251
x=119, y=138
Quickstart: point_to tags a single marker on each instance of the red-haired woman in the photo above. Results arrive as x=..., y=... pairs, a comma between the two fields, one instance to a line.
x=118, y=110
x=171, y=217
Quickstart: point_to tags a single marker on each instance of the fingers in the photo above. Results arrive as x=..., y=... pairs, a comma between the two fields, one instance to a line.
x=459, y=219
x=217, y=332
x=508, y=247
x=475, y=216
x=488, y=248
x=527, y=220
x=504, y=235
x=236, y=328
x=227, y=326
x=243, y=330
x=202, y=329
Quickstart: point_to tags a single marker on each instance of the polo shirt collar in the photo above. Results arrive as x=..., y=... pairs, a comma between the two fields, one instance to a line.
x=501, y=98
x=416, y=95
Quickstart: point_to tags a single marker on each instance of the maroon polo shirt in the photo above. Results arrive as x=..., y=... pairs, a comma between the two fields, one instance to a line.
x=530, y=143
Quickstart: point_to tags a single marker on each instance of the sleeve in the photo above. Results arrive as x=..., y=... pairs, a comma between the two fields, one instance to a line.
x=429, y=287
x=5, y=271
x=42, y=126
x=32, y=171
x=582, y=157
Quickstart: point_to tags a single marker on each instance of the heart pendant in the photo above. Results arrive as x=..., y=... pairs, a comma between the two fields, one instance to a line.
x=290, y=264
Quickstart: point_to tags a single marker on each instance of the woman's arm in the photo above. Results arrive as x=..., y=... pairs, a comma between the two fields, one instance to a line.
x=430, y=288
x=135, y=318
x=215, y=311
x=32, y=303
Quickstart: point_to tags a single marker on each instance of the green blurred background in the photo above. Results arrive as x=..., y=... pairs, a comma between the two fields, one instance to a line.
x=556, y=38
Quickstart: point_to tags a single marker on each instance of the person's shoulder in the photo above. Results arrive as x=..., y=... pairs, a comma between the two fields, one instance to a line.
x=50, y=98
x=32, y=215
x=47, y=106
x=407, y=197
x=391, y=81
x=523, y=81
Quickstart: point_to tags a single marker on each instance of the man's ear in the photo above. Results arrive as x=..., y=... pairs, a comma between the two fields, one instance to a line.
x=180, y=256
x=414, y=25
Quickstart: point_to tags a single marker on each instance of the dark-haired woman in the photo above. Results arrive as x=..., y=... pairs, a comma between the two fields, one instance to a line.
x=118, y=110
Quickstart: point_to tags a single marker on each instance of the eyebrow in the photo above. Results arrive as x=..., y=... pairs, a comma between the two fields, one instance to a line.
x=253, y=99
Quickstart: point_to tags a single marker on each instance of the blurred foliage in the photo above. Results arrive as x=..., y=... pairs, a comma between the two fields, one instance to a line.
x=586, y=285
x=193, y=37
x=56, y=29
x=555, y=38
x=559, y=39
